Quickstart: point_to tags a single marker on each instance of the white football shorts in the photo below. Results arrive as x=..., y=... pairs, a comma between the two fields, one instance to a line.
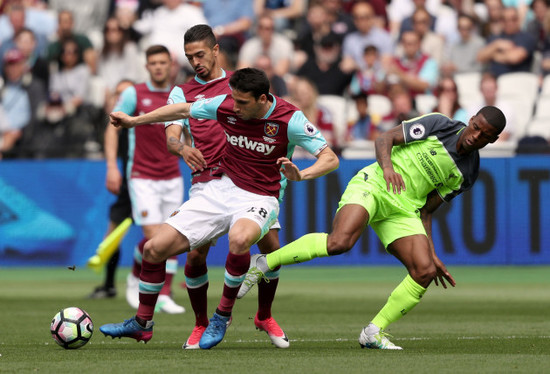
x=154, y=200
x=215, y=206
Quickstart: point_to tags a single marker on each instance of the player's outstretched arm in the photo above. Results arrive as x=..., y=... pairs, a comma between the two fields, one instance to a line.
x=327, y=161
x=383, y=146
x=165, y=113
x=433, y=201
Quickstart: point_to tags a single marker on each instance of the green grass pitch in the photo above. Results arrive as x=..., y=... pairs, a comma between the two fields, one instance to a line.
x=497, y=320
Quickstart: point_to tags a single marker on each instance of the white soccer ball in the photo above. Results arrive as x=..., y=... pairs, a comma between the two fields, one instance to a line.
x=72, y=328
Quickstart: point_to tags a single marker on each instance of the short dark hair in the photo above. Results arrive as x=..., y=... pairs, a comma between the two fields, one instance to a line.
x=494, y=117
x=199, y=33
x=156, y=49
x=250, y=80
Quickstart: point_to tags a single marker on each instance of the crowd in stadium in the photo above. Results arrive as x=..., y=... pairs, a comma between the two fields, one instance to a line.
x=356, y=68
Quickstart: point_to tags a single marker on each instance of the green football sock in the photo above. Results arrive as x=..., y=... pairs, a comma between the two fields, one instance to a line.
x=403, y=298
x=301, y=250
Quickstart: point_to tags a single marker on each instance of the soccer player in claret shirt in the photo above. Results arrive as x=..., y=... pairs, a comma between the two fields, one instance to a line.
x=203, y=157
x=420, y=164
x=155, y=183
x=261, y=132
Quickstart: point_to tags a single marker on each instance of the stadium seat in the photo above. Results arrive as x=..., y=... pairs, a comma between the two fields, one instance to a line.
x=524, y=84
x=468, y=88
x=96, y=91
x=359, y=149
x=379, y=105
x=343, y=112
x=425, y=103
x=542, y=108
x=545, y=88
x=523, y=110
x=539, y=126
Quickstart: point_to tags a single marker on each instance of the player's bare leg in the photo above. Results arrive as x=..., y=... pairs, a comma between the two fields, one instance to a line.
x=166, y=242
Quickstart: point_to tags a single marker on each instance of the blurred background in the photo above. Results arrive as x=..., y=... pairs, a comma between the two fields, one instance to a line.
x=355, y=68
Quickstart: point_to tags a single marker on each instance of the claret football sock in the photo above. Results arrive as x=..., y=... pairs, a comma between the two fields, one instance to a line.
x=150, y=283
x=236, y=267
x=307, y=247
x=403, y=299
x=196, y=279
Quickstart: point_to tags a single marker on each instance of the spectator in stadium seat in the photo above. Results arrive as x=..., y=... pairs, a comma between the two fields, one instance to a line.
x=166, y=25
x=277, y=46
x=407, y=24
x=65, y=31
x=512, y=50
x=341, y=23
x=314, y=27
x=462, y=56
x=284, y=12
x=536, y=26
x=304, y=95
x=492, y=25
x=278, y=85
x=231, y=21
x=323, y=68
x=367, y=34
x=369, y=80
x=365, y=128
x=448, y=100
x=25, y=41
x=120, y=58
x=431, y=43
x=402, y=108
x=414, y=70
x=21, y=97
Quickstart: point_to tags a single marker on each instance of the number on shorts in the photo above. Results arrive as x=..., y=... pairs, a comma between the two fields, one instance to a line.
x=262, y=212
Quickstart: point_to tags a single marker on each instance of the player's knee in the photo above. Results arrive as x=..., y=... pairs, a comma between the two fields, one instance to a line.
x=239, y=243
x=152, y=252
x=425, y=275
x=196, y=258
x=337, y=244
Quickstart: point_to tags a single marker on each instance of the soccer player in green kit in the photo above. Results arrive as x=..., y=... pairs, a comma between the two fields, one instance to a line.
x=420, y=164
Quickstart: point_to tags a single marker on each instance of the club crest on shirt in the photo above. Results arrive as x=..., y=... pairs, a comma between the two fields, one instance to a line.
x=417, y=131
x=271, y=128
x=147, y=101
x=144, y=213
x=309, y=129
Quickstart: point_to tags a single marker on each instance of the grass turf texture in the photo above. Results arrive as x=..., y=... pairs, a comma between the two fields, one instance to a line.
x=496, y=320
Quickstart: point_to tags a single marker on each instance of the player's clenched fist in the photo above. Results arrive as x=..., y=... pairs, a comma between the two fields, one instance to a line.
x=121, y=119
